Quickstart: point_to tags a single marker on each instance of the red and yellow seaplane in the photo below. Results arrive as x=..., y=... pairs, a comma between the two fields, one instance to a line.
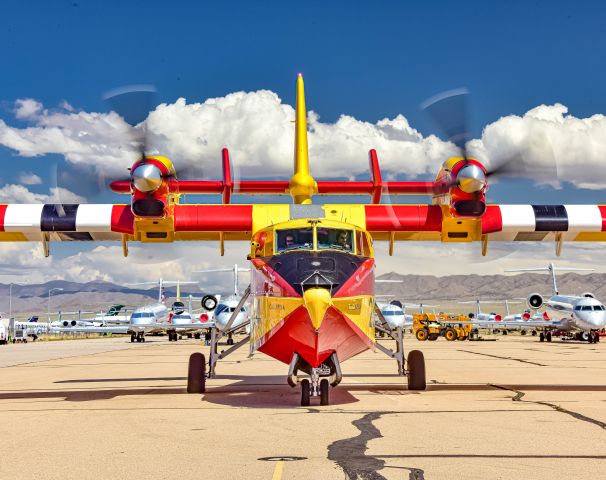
x=313, y=266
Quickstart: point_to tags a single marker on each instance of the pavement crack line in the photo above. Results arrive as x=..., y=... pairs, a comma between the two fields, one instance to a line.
x=350, y=453
x=505, y=358
x=519, y=395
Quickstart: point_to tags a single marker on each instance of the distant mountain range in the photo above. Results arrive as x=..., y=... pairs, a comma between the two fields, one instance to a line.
x=97, y=296
x=490, y=287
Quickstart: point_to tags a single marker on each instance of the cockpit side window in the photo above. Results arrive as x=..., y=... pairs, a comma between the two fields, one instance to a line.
x=294, y=238
x=598, y=307
x=335, y=238
x=586, y=307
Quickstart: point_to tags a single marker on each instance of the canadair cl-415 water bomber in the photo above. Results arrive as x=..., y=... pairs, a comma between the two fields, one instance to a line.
x=312, y=266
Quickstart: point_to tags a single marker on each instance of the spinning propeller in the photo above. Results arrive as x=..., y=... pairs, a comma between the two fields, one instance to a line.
x=449, y=111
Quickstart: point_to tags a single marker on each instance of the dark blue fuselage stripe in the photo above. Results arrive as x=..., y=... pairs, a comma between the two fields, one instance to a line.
x=550, y=218
x=59, y=217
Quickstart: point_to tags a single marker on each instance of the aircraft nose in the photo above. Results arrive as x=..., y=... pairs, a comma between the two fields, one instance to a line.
x=598, y=319
x=317, y=301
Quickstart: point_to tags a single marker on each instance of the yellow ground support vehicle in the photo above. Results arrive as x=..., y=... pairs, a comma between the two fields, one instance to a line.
x=429, y=326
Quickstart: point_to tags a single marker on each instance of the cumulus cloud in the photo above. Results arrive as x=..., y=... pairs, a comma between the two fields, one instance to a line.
x=27, y=108
x=258, y=129
x=547, y=137
x=29, y=178
x=13, y=193
x=256, y=126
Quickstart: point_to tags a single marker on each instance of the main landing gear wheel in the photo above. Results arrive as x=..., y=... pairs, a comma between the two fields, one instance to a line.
x=541, y=337
x=305, y=393
x=548, y=336
x=416, y=370
x=196, y=373
x=324, y=391
x=422, y=334
x=132, y=338
x=450, y=334
x=230, y=341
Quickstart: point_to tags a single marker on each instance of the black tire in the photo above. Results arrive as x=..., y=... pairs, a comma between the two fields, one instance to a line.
x=196, y=373
x=324, y=392
x=523, y=332
x=422, y=334
x=450, y=334
x=548, y=336
x=143, y=339
x=305, y=393
x=230, y=341
x=416, y=370
x=197, y=336
x=504, y=332
x=534, y=333
x=541, y=337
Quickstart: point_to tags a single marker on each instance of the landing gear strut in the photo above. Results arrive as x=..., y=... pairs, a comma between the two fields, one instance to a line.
x=413, y=366
x=321, y=378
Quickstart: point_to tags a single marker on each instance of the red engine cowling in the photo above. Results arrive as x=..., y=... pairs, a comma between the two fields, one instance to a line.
x=468, y=191
x=150, y=186
x=526, y=316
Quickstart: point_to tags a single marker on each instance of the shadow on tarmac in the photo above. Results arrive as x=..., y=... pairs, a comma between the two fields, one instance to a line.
x=263, y=391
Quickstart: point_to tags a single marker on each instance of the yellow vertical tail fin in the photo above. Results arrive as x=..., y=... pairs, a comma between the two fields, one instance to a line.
x=302, y=184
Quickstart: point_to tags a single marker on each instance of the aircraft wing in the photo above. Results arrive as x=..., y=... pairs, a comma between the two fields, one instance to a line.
x=513, y=325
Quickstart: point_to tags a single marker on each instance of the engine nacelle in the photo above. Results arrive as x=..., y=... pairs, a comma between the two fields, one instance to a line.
x=535, y=301
x=178, y=308
x=209, y=302
x=465, y=184
x=150, y=186
x=588, y=295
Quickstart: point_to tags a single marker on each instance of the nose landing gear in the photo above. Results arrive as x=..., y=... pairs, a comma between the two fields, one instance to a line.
x=320, y=379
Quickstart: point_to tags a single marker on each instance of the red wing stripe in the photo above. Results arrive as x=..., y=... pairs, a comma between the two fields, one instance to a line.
x=492, y=220
x=213, y=218
x=403, y=218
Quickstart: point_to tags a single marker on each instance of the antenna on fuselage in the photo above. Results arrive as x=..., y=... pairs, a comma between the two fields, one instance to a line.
x=302, y=185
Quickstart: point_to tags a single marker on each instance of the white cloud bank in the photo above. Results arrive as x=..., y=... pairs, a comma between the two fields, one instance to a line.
x=258, y=129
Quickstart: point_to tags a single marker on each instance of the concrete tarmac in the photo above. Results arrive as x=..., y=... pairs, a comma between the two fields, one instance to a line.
x=509, y=409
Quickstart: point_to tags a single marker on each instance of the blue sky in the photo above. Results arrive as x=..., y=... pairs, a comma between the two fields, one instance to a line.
x=370, y=60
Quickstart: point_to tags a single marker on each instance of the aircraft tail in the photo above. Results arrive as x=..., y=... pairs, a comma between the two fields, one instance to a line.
x=302, y=185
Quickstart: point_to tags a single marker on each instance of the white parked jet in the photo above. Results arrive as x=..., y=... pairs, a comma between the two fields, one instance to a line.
x=583, y=314
x=154, y=318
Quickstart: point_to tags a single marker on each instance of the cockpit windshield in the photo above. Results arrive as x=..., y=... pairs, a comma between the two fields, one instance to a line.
x=294, y=238
x=335, y=238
